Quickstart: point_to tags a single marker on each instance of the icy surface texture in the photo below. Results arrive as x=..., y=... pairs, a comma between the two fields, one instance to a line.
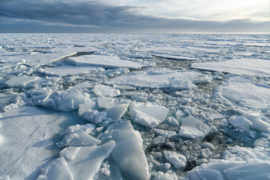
x=162, y=78
x=238, y=66
x=134, y=106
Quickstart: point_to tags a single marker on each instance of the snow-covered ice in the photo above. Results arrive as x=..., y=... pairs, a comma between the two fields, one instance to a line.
x=107, y=91
x=134, y=106
x=238, y=66
x=162, y=78
x=27, y=142
x=128, y=153
x=105, y=61
x=176, y=159
x=193, y=128
x=69, y=70
x=148, y=115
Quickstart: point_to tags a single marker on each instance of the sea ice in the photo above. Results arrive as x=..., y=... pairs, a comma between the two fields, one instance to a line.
x=149, y=115
x=176, y=159
x=107, y=91
x=28, y=144
x=57, y=169
x=128, y=153
x=23, y=81
x=239, y=66
x=68, y=70
x=238, y=163
x=250, y=100
x=58, y=100
x=83, y=165
x=105, y=61
x=193, y=128
x=105, y=102
x=162, y=78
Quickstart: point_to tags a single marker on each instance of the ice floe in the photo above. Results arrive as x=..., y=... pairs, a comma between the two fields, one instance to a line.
x=28, y=140
x=193, y=128
x=162, y=78
x=128, y=152
x=238, y=66
x=58, y=100
x=106, y=62
x=176, y=159
x=237, y=163
x=103, y=90
x=22, y=81
x=148, y=115
x=69, y=70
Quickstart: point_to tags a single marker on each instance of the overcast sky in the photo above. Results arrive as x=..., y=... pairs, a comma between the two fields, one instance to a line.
x=135, y=16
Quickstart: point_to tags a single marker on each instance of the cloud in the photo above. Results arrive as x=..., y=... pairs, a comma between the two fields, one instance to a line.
x=95, y=16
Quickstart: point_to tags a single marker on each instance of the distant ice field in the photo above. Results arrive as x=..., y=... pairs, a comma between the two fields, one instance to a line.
x=134, y=106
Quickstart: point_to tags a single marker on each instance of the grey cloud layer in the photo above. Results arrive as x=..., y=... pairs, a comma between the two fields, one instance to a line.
x=102, y=16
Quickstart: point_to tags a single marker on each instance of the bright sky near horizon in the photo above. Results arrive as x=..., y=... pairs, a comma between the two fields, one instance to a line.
x=218, y=10
x=135, y=16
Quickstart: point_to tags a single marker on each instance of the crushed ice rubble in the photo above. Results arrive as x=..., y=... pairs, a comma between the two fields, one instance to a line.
x=134, y=107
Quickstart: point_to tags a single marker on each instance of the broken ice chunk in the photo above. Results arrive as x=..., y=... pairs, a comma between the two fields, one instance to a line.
x=148, y=114
x=128, y=153
x=165, y=176
x=162, y=78
x=105, y=102
x=102, y=90
x=22, y=81
x=176, y=159
x=68, y=70
x=239, y=66
x=117, y=111
x=78, y=139
x=69, y=153
x=105, y=61
x=88, y=160
x=193, y=128
x=57, y=169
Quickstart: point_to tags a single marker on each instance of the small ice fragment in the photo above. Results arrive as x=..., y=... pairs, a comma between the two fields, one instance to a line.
x=102, y=90
x=69, y=153
x=22, y=81
x=57, y=169
x=105, y=102
x=78, y=139
x=165, y=176
x=193, y=128
x=176, y=159
x=117, y=111
x=148, y=114
x=128, y=153
x=88, y=160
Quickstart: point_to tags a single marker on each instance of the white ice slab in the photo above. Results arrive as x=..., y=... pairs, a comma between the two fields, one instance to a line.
x=22, y=81
x=88, y=160
x=171, y=57
x=148, y=115
x=68, y=100
x=238, y=163
x=69, y=70
x=83, y=165
x=28, y=140
x=128, y=153
x=242, y=92
x=193, y=128
x=57, y=169
x=240, y=66
x=106, y=62
x=162, y=78
x=176, y=159
x=107, y=91
x=105, y=102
